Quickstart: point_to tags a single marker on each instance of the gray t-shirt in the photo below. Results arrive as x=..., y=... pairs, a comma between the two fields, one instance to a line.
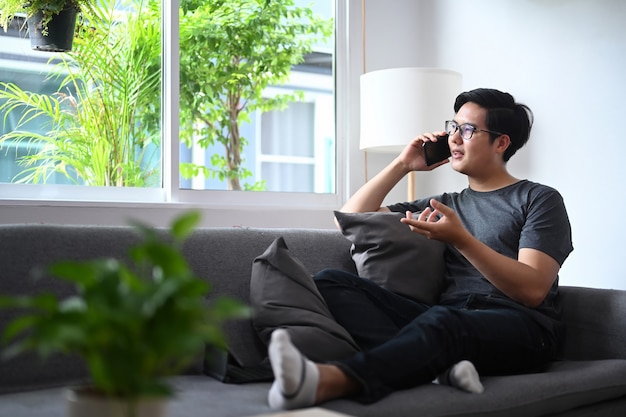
x=522, y=215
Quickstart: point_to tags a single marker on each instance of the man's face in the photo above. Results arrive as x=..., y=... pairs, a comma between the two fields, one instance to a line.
x=477, y=155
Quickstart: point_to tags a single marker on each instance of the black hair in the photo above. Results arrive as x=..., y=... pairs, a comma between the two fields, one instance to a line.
x=504, y=115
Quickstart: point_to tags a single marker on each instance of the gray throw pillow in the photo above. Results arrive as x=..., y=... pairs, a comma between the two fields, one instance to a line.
x=283, y=294
x=387, y=252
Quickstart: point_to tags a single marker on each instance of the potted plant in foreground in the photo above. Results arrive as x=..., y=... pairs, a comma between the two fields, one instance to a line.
x=51, y=23
x=133, y=324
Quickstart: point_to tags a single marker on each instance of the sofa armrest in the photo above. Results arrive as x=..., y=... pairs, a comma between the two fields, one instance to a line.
x=595, y=322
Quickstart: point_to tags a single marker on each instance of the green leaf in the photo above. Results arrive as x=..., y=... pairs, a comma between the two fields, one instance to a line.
x=83, y=274
x=17, y=326
x=45, y=302
x=227, y=308
x=185, y=224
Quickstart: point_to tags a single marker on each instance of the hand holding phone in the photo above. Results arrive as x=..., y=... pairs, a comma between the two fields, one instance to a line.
x=436, y=151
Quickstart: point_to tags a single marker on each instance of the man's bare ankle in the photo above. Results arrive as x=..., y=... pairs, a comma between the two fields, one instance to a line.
x=334, y=383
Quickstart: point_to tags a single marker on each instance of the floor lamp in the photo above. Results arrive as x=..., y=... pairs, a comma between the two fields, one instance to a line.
x=398, y=104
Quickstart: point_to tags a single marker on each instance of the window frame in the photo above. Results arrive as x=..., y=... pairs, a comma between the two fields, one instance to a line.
x=170, y=194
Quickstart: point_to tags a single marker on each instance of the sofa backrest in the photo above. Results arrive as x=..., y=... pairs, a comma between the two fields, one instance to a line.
x=595, y=323
x=222, y=256
x=26, y=248
x=595, y=318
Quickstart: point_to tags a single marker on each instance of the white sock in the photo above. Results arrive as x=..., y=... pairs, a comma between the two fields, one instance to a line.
x=463, y=376
x=295, y=377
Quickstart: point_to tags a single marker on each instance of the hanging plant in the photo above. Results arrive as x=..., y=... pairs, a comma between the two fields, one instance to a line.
x=41, y=16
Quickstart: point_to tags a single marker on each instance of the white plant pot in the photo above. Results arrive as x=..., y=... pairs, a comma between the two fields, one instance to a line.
x=81, y=403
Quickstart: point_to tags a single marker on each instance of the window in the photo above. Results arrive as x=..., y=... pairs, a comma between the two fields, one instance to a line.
x=292, y=151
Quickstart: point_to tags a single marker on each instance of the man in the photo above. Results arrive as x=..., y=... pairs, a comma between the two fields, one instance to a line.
x=506, y=241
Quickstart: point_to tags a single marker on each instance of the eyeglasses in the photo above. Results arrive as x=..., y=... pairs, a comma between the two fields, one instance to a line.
x=467, y=130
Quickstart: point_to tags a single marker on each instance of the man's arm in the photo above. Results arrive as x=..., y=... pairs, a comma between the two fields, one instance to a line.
x=526, y=280
x=371, y=195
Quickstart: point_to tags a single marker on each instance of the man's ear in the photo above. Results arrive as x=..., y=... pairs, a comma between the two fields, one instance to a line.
x=502, y=143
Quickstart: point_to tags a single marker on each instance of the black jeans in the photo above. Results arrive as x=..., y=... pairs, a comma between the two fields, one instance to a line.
x=405, y=343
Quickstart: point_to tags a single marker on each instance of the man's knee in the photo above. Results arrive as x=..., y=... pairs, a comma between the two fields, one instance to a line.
x=443, y=319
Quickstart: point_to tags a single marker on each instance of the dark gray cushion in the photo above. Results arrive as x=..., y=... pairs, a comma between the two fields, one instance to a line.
x=283, y=294
x=593, y=323
x=387, y=252
x=566, y=386
x=586, y=389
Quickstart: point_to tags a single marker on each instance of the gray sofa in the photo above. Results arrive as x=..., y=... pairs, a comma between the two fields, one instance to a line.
x=589, y=380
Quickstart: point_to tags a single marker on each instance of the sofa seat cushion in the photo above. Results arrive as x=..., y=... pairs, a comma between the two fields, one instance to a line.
x=591, y=388
x=566, y=386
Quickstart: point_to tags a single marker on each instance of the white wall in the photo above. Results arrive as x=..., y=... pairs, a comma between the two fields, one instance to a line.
x=402, y=34
x=566, y=59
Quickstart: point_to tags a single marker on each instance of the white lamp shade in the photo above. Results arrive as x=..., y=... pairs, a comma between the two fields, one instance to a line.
x=398, y=104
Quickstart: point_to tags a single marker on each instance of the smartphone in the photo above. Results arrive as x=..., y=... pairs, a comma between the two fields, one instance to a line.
x=436, y=151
